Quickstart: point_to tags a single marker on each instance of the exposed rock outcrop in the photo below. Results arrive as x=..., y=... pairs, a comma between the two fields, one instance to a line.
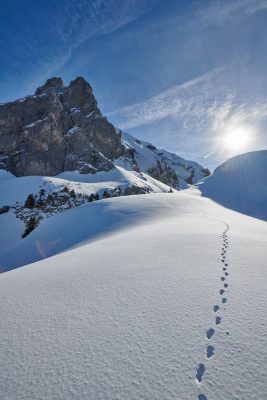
x=60, y=128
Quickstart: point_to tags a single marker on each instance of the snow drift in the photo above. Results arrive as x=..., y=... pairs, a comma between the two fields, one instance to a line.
x=240, y=184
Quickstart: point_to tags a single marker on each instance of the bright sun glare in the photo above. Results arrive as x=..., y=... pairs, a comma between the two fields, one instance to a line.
x=238, y=139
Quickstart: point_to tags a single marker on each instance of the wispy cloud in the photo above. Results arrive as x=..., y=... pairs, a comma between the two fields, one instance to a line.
x=220, y=10
x=84, y=19
x=69, y=27
x=199, y=112
x=229, y=116
x=190, y=99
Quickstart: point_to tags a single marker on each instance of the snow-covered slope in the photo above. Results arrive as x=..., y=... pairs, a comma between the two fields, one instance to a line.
x=240, y=184
x=161, y=164
x=14, y=189
x=56, y=194
x=171, y=305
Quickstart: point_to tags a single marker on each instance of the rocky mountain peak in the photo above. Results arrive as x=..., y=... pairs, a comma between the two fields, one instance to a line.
x=52, y=85
x=59, y=128
x=79, y=94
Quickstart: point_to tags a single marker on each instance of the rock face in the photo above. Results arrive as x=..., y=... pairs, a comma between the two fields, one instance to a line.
x=58, y=129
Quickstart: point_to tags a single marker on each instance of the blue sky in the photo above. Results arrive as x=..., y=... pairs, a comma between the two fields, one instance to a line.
x=181, y=74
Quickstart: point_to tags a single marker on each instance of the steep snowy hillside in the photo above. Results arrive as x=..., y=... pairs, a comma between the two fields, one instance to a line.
x=240, y=184
x=171, y=305
x=160, y=164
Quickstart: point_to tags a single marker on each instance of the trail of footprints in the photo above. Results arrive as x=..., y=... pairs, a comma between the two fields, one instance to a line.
x=200, y=370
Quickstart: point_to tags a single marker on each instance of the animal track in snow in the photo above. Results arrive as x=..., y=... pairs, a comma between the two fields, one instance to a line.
x=202, y=397
x=210, y=351
x=200, y=372
x=210, y=333
x=216, y=308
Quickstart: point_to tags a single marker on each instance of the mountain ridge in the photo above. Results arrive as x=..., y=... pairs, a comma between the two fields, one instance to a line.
x=60, y=128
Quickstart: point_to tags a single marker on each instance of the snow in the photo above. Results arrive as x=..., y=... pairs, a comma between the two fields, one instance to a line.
x=124, y=311
x=14, y=191
x=31, y=125
x=240, y=184
x=147, y=158
x=73, y=130
x=75, y=110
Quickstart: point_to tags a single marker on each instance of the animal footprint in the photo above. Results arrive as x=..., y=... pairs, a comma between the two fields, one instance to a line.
x=216, y=308
x=202, y=397
x=200, y=372
x=221, y=291
x=210, y=351
x=210, y=333
x=224, y=300
x=218, y=320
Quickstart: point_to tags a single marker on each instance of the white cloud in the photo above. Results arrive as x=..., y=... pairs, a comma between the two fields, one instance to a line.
x=188, y=101
x=230, y=116
x=219, y=11
x=79, y=22
x=200, y=111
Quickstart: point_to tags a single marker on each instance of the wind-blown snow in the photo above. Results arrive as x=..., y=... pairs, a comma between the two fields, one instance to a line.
x=240, y=184
x=127, y=313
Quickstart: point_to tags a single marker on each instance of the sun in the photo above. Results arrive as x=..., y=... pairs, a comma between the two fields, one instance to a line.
x=238, y=139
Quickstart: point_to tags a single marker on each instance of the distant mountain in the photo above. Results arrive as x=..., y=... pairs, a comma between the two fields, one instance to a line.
x=240, y=184
x=60, y=128
x=167, y=167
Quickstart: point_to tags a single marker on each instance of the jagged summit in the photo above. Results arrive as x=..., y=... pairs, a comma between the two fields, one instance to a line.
x=60, y=128
x=78, y=93
x=51, y=86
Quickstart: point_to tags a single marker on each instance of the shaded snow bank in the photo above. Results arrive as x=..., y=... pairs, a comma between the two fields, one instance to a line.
x=240, y=184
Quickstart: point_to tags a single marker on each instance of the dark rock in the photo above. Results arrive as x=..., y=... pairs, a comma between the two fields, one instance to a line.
x=134, y=189
x=4, y=209
x=151, y=147
x=58, y=129
x=52, y=85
